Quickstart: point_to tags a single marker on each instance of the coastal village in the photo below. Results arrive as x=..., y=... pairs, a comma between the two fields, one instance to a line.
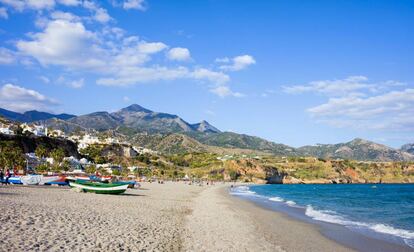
x=82, y=140
x=85, y=153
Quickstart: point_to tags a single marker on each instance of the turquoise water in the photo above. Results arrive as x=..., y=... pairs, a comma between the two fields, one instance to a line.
x=385, y=210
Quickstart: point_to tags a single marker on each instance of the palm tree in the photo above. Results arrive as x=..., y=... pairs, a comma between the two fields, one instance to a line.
x=58, y=155
x=41, y=151
x=10, y=155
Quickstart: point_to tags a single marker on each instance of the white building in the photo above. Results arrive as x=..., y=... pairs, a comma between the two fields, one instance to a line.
x=111, y=140
x=86, y=140
x=37, y=130
x=133, y=168
x=6, y=130
x=57, y=133
x=109, y=167
x=142, y=150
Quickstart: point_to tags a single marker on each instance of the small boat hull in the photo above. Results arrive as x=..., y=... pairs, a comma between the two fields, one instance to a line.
x=99, y=188
x=31, y=179
x=58, y=180
x=16, y=180
x=130, y=183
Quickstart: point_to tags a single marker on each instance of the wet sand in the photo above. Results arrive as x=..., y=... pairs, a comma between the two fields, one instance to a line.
x=221, y=222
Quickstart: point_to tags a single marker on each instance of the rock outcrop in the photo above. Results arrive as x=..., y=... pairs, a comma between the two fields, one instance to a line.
x=29, y=144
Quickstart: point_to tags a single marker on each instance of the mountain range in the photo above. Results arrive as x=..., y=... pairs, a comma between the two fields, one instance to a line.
x=32, y=116
x=170, y=133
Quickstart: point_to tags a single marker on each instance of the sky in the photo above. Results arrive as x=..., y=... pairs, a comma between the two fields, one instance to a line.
x=293, y=72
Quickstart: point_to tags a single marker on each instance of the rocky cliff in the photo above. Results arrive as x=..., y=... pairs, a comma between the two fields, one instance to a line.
x=29, y=144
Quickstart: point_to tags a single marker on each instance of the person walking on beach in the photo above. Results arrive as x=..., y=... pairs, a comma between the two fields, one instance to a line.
x=1, y=176
x=8, y=175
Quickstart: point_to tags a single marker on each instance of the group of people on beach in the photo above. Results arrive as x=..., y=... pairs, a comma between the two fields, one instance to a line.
x=4, y=177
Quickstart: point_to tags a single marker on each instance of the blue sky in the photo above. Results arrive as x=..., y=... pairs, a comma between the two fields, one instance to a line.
x=296, y=72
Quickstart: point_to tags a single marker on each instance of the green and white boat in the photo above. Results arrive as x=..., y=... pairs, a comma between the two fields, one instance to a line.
x=97, y=187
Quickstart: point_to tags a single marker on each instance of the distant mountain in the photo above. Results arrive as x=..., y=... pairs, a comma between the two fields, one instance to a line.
x=98, y=121
x=32, y=116
x=205, y=127
x=357, y=149
x=179, y=143
x=242, y=141
x=14, y=116
x=408, y=148
x=135, y=119
x=170, y=133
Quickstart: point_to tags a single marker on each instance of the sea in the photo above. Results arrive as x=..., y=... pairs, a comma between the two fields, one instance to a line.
x=380, y=211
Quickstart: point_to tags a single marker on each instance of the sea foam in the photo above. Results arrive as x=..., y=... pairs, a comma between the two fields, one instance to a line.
x=241, y=190
x=276, y=199
x=333, y=217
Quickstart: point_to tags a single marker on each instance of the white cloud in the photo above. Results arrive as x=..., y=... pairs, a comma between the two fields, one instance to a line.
x=44, y=79
x=7, y=56
x=101, y=15
x=151, y=48
x=267, y=93
x=126, y=99
x=222, y=60
x=63, y=43
x=21, y=99
x=69, y=2
x=367, y=107
x=333, y=87
x=62, y=15
x=40, y=4
x=132, y=75
x=21, y=5
x=16, y=4
x=77, y=83
x=355, y=103
x=70, y=83
x=3, y=13
x=179, y=54
x=115, y=59
x=134, y=4
x=224, y=91
x=212, y=76
x=237, y=63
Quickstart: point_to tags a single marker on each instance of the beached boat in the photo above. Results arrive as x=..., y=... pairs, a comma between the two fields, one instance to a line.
x=31, y=179
x=97, y=187
x=74, y=178
x=48, y=179
x=16, y=180
x=130, y=183
x=55, y=180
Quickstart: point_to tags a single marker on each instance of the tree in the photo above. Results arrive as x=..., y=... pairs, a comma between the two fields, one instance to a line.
x=42, y=168
x=57, y=155
x=94, y=153
x=10, y=155
x=19, y=130
x=90, y=169
x=233, y=175
x=41, y=151
x=66, y=165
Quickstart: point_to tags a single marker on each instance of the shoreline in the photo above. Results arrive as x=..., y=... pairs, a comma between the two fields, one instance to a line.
x=228, y=223
x=336, y=233
x=162, y=217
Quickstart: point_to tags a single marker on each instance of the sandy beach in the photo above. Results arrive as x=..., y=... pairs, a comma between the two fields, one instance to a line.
x=169, y=217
